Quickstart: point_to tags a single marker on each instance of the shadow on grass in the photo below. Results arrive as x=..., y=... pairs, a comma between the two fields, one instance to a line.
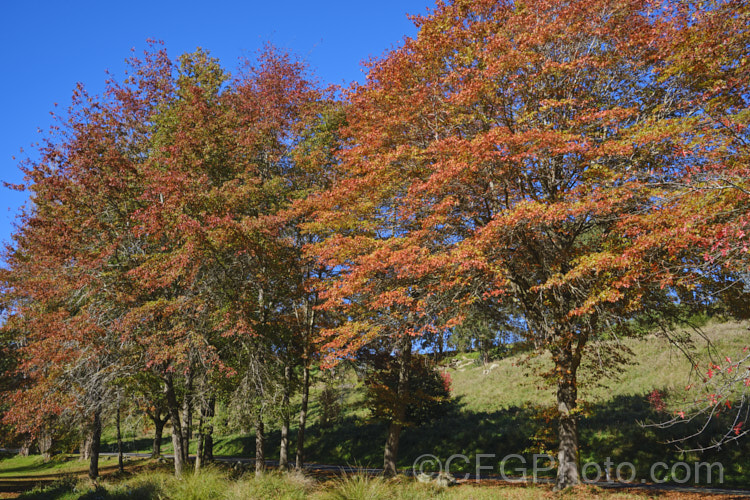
x=609, y=430
x=59, y=489
x=64, y=490
x=139, y=445
x=612, y=430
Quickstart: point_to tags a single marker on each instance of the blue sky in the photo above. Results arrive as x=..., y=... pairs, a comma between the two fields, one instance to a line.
x=48, y=46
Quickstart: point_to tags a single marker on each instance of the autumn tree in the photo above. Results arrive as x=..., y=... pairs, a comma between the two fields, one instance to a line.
x=511, y=153
x=66, y=272
x=223, y=268
x=161, y=245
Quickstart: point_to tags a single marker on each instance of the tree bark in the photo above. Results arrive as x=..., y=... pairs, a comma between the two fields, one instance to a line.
x=45, y=444
x=84, y=447
x=26, y=446
x=390, y=454
x=208, y=430
x=260, y=439
x=310, y=318
x=187, y=416
x=205, y=451
x=120, y=464
x=284, y=445
x=303, y=414
x=566, y=365
x=158, y=434
x=94, y=445
x=174, y=414
x=199, y=448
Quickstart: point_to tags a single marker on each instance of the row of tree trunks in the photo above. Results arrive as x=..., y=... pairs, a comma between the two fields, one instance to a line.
x=90, y=446
x=284, y=448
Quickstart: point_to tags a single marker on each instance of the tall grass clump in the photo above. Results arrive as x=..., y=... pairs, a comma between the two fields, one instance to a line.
x=291, y=486
x=359, y=487
x=208, y=484
x=364, y=487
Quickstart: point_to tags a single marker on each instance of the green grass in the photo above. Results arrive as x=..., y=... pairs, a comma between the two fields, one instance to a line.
x=655, y=364
x=34, y=465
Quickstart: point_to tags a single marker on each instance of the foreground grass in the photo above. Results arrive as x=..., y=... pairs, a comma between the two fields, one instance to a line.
x=220, y=484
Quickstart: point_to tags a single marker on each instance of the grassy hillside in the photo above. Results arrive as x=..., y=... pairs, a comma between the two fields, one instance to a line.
x=654, y=364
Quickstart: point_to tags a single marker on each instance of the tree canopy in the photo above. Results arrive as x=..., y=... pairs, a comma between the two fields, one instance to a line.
x=552, y=170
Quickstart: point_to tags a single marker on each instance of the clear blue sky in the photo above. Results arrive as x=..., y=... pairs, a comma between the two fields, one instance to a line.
x=48, y=46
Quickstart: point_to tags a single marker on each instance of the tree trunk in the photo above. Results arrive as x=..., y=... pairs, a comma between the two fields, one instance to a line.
x=204, y=453
x=391, y=449
x=390, y=454
x=120, y=464
x=485, y=351
x=199, y=448
x=208, y=430
x=158, y=434
x=84, y=448
x=187, y=416
x=174, y=414
x=284, y=446
x=260, y=438
x=566, y=364
x=303, y=414
x=45, y=444
x=26, y=446
x=94, y=445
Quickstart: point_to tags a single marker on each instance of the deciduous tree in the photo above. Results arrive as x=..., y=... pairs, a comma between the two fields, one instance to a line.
x=518, y=153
